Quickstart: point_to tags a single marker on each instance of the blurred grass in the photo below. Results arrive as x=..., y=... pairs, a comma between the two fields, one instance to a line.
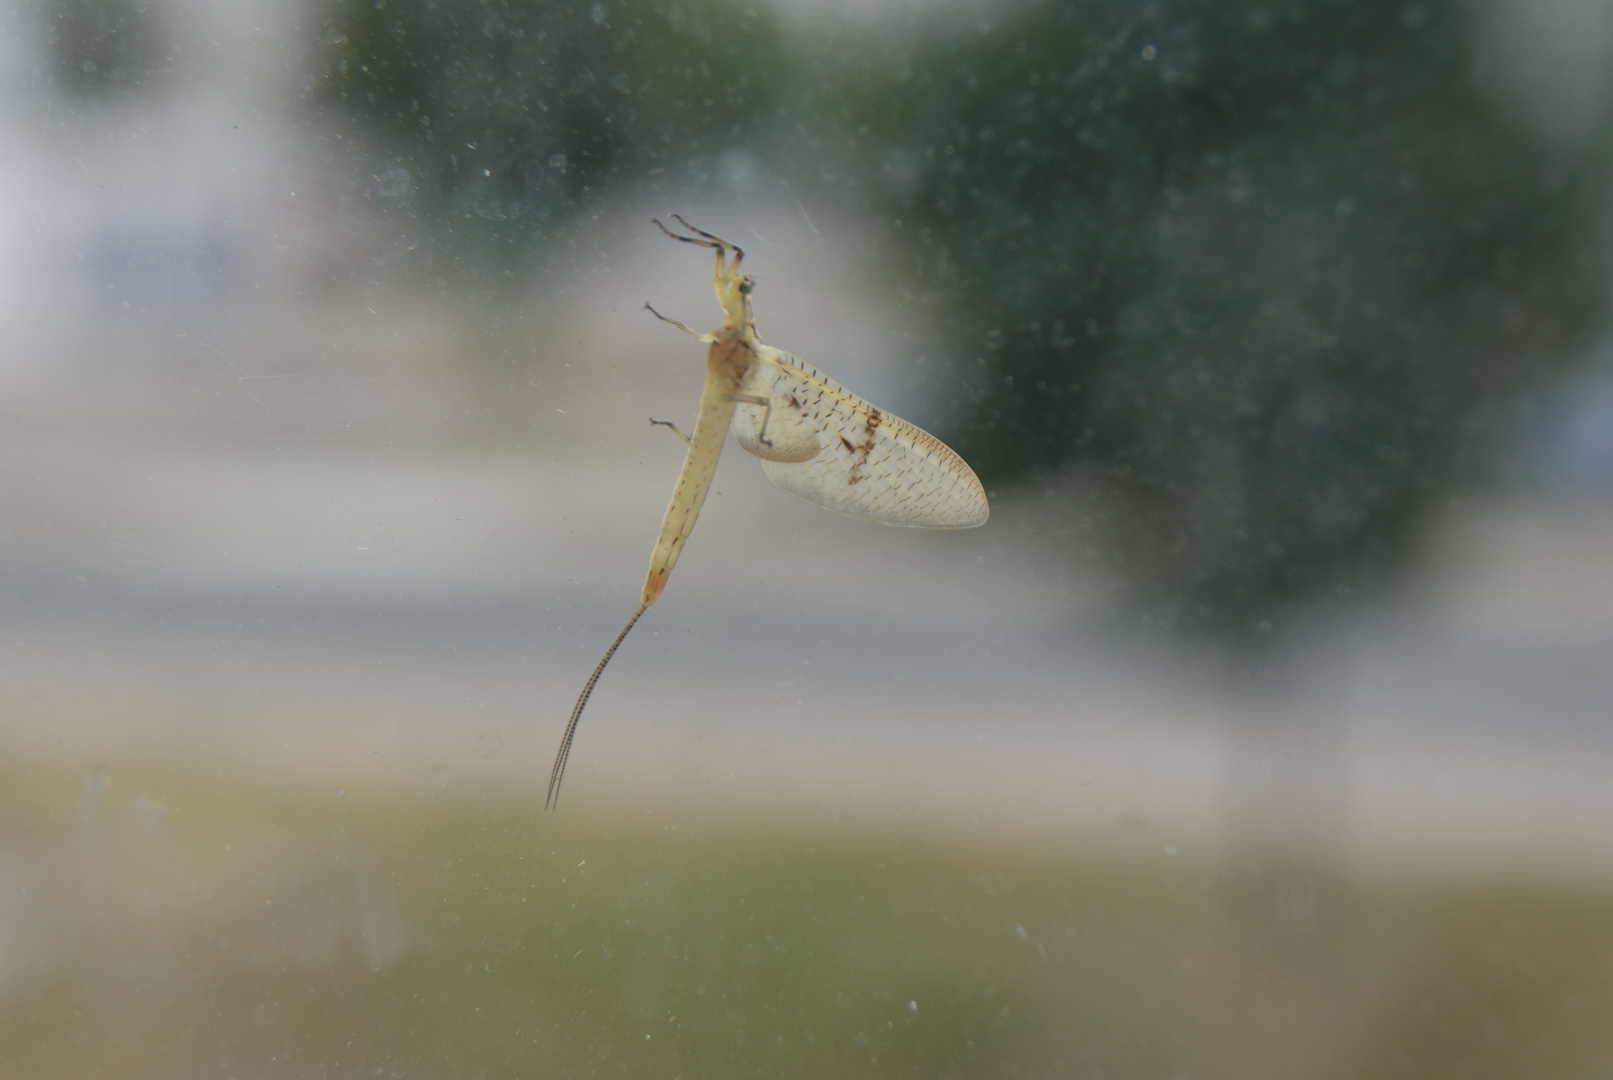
x=184, y=918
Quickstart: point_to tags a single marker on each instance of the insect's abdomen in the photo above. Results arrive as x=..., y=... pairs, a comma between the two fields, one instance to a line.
x=726, y=364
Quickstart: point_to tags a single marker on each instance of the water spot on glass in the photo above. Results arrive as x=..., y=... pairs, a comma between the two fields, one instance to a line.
x=392, y=182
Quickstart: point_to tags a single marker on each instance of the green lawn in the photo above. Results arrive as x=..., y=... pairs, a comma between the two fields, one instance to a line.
x=187, y=920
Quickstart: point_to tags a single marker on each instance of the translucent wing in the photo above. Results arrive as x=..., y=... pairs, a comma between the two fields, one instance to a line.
x=822, y=443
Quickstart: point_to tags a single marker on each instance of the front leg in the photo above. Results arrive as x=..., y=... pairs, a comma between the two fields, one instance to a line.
x=706, y=338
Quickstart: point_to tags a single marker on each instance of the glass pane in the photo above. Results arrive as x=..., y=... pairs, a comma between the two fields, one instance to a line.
x=1263, y=730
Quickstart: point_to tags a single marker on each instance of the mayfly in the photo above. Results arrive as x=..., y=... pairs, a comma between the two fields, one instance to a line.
x=816, y=440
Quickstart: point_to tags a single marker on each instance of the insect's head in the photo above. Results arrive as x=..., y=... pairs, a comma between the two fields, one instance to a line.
x=733, y=293
x=733, y=288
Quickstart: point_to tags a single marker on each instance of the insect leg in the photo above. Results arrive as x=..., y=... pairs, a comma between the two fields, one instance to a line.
x=707, y=338
x=713, y=243
x=767, y=413
x=739, y=252
x=709, y=241
x=670, y=424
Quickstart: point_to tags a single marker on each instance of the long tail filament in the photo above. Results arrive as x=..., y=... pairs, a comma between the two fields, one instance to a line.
x=555, y=774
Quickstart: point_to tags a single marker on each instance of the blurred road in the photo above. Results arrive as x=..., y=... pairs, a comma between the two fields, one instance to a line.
x=341, y=572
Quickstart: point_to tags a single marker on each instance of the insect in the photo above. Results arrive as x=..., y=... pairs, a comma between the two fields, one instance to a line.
x=816, y=440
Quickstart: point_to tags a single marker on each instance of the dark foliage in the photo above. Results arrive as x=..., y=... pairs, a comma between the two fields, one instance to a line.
x=1267, y=271
x=103, y=47
x=491, y=122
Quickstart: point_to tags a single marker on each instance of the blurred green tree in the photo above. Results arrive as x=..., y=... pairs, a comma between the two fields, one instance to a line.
x=1266, y=271
x=489, y=123
x=103, y=47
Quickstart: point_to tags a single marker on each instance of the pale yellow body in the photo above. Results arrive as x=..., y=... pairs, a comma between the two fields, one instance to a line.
x=727, y=362
x=816, y=440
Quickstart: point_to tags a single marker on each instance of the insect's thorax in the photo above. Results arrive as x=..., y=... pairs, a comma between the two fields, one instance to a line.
x=729, y=359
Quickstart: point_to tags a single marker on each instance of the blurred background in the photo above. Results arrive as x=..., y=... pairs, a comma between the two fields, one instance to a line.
x=1265, y=730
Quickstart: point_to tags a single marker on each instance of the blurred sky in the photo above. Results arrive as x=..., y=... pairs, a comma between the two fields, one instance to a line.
x=253, y=501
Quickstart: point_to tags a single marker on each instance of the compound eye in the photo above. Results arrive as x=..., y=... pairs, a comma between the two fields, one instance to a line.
x=746, y=285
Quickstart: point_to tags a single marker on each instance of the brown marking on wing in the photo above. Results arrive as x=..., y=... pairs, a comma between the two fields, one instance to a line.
x=875, y=417
x=861, y=452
